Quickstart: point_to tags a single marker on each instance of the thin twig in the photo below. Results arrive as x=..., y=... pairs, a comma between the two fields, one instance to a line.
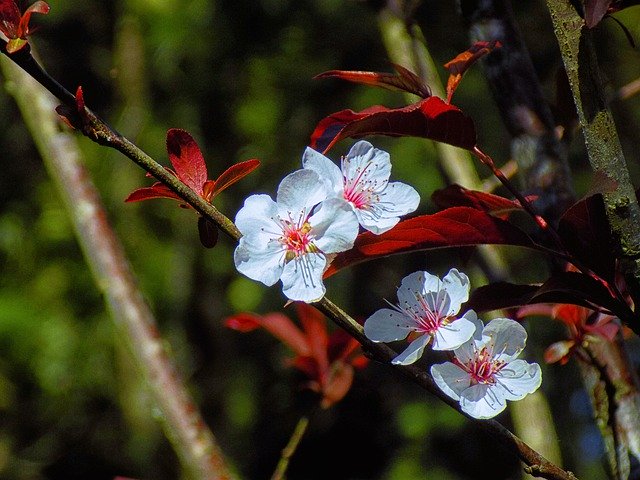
x=289, y=450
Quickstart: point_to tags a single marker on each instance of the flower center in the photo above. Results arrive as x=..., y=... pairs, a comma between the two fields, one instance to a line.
x=429, y=315
x=296, y=239
x=483, y=367
x=359, y=189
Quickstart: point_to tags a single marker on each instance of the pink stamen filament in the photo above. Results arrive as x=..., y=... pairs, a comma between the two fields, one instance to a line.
x=483, y=368
x=360, y=191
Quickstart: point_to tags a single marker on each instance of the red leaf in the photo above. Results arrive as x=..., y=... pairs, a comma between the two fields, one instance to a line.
x=277, y=324
x=9, y=18
x=454, y=227
x=585, y=233
x=456, y=195
x=187, y=159
x=36, y=7
x=429, y=118
x=315, y=330
x=157, y=190
x=461, y=63
x=559, y=351
x=230, y=176
x=405, y=81
x=243, y=322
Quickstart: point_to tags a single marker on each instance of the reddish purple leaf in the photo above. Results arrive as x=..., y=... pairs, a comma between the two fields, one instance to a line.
x=457, y=196
x=430, y=118
x=230, y=176
x=9, y=18
x=585, y=233
x=157, y=190
x=404, y=81
x=454, y=227
x=461, y=63
x=565, y=287
x=14, y=25
x=187, y=159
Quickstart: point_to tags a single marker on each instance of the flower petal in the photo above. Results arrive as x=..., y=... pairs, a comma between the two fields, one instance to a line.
x=466, y=352
x=335, y=226
x=258, y=260
x=396, y=200
x=413, y=352
x=257, y=217
x=451, y=336
x=451, y=379
x=300, y=191
x=505, y=337
x=456, y=284
x=388, y=325
x=482, y=401
x=367, y=163
x=416, y=283
x=325, y=168
x=518, y=379
x=302, y=278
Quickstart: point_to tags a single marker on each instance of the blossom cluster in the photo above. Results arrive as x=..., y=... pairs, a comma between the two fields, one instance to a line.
x=318, y=211
x=484, y=372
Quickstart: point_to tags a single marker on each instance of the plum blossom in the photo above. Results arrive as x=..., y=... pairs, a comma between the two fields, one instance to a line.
x=363, y=182
x=427, y=306
x=485, y=372
x=289, y=239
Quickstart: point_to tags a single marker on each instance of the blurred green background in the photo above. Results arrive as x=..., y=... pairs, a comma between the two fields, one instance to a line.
x=238, y=75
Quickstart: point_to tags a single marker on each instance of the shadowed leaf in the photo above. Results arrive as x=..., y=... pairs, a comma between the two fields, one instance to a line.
x=430, y=118
x=404, y=81
x=454, y=227
x=457, y=196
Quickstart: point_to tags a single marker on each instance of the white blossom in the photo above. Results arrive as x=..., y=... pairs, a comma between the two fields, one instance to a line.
x=485, y=372
x=427, y=306
x=289, y=239
x=363, y=182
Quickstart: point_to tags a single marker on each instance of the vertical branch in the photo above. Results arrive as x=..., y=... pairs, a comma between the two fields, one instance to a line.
x=601, y=138
x=182, y=422
x=611, y=384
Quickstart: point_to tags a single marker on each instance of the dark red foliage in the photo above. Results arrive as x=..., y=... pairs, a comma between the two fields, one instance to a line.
x=190, y=168
x=457, y=196
x=14, y=25
x=586, y=235
x=327, y=360
x=453, y=227
x=565, y=287
x=405, y=80
x=430, y=118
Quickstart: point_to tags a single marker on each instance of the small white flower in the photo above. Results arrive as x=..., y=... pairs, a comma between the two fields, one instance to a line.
x=289, y=239
x=485, y=372
x=363, y=182
x=428, y=306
